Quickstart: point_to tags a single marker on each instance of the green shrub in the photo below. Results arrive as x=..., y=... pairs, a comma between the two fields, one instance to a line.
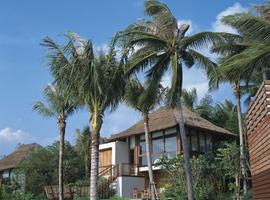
x=118, y=198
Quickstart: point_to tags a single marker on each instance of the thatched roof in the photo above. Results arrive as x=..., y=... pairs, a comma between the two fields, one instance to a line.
x=165, y=118
x=13, y=159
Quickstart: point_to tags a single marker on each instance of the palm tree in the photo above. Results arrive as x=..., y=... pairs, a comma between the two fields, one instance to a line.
x=138, y=97
x=189, y=98
x=97, y=82
x=255, y=29
x=60, y=106
x=159, y=44
x=83, y=146
x=228, y=50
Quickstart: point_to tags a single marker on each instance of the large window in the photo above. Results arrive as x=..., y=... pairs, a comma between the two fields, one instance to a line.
x=163, y=143
x=170, y=146
x=157, y=146
x=142, y=151
x=199, y=142
x=194, y=141
x=202, y=142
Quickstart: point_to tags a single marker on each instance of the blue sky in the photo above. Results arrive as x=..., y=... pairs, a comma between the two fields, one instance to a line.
x=23, y=72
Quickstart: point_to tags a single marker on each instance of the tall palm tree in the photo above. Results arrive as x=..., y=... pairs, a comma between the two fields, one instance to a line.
x=95, y=79
x=160, y=44
x=138, y=97
x=189, y=98
x=228, y=50
x=60, y=106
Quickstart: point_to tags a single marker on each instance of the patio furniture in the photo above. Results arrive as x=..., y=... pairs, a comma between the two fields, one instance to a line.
x=145, y=194
x=136, y=193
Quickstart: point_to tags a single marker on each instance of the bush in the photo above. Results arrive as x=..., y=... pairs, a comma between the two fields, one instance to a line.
x=207, y=182
x=118, y=198
x=5, y=194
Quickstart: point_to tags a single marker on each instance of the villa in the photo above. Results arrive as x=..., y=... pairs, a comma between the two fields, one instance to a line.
x=123, y=160
x=9, y=163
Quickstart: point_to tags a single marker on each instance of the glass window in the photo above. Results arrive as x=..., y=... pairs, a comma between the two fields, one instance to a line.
x=170, y=131
x=208, y=142
x=171, y=144
x=157, y=134
x=202, y=142
x=143, y=160
x=142, y=147
x=132, y=142
x=142, y=137
x=157, y=146
x=194, y=141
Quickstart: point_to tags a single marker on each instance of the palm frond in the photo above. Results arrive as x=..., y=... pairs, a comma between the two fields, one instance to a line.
x=42, y=109
x=253, y=27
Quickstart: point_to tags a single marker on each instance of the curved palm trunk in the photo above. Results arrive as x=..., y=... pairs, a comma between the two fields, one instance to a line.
x=148, y=155
x=94, y=177
x=186, y=155
x=62, y=129
x=241, y=139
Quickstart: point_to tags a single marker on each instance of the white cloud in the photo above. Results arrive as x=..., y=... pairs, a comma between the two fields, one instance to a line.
x=102, y=47
x=201, y=88
x=8, y=135
x=218, y=26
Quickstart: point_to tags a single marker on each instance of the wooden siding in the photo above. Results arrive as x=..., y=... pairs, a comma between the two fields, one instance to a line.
x=105, y=157
x=258, y=125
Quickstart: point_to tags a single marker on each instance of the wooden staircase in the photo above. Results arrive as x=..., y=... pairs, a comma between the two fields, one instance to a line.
x=109, y=174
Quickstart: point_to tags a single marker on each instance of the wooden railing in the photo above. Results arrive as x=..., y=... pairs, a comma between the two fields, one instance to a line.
x=108, y=174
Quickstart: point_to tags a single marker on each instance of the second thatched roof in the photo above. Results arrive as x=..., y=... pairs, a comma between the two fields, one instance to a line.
x=12, y=160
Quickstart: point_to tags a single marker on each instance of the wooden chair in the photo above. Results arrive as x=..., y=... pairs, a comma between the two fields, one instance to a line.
x=145, y=194
x=136, y=193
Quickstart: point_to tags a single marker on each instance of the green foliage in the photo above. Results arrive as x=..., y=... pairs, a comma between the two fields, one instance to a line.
x=5, y=194
x=118, y=198
x=207, y=182
x=164, y=45
x=189, y=98
x=213, y=174
x=41, y=167
x=222, y=114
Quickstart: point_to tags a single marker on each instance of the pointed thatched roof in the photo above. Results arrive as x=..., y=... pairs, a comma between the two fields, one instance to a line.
x=13, y=159
x=165, y=118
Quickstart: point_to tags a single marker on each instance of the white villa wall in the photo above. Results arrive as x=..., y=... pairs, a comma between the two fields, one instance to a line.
x=120, y=153
x=125, y=185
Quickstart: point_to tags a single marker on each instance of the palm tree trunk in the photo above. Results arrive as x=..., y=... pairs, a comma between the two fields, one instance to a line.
x=94, y=177
x=237, y=186
x=148, y=155
x=62, y=129
x=241, y=139
x=186, y=155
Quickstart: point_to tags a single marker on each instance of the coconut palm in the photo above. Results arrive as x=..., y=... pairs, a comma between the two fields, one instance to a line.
x=255, y=29
x=60, y=106
x=160, y=44
x=95, y=79
x=189, y=98
x=227, y=51
x=138, y=97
